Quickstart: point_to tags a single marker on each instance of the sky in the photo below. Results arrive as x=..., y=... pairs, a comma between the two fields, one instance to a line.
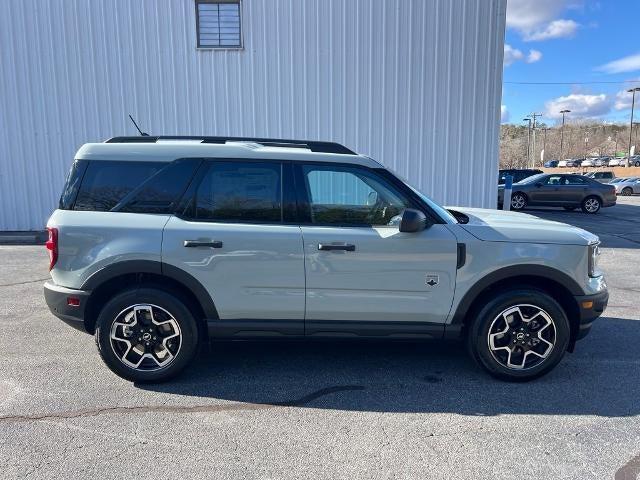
x=576, y=42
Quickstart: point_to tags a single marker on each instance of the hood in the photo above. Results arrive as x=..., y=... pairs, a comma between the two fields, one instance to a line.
x=504, y=226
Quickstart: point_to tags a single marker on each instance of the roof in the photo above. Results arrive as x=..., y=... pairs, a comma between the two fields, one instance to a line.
x=169, y=150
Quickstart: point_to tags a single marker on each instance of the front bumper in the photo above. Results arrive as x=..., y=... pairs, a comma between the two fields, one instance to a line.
x=590, y=308
x=57, y=299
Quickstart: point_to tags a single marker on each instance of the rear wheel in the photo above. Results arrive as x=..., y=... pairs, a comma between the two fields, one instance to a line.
x=519, y=335
x=626, y=191
x=518, y=201
x=591, y=205
x=146, y=335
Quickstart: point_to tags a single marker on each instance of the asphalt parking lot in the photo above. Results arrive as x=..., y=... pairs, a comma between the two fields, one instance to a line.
x=322, y=410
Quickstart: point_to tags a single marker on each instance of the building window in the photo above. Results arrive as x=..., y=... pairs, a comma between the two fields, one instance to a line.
x=218, y=23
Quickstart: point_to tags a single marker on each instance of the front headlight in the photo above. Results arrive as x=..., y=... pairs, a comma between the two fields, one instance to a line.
x=594, y=255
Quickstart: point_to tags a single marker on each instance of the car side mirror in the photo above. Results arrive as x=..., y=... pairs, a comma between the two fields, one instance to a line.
x=413, y=221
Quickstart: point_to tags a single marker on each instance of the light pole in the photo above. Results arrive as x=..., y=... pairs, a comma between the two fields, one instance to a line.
x=563, y=112
x=633, y=104
x=533, y=139
x=527, y=119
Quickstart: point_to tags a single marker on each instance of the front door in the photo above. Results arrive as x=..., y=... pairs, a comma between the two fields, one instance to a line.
x=235, y=241
x=363, y=275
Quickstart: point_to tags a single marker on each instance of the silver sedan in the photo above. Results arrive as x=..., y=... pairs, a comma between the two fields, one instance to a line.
x=627, y=186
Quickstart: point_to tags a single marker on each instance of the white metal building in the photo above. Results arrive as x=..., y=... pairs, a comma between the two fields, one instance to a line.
x=415, y=84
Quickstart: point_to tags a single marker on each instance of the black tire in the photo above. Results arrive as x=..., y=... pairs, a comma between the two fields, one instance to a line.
x=518, y=201
x=569, y=209
x=478, y=342
x=637, y=163
x=591, y=205
x=163, y=305
x=627, y=191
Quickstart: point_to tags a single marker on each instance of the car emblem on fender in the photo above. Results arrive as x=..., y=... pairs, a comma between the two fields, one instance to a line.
x=432, y=280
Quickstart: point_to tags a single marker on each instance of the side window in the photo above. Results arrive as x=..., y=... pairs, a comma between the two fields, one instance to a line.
x=554, y=180
x=574, y=180
x=351, y=196
x=240, y=192
x=160, y=192
x=106, y=183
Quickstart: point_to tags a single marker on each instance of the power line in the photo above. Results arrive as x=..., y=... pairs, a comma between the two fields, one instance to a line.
x=573, y=83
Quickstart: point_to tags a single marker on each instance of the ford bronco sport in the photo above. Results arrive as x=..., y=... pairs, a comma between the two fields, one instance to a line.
x=162, y=243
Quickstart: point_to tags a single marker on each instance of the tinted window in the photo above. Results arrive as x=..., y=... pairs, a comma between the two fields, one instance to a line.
x=240, y=192
x=72, y=184
x=106, y=183
x=159, y=193
x=575, y=180
x=554, y=180
x=351, y=196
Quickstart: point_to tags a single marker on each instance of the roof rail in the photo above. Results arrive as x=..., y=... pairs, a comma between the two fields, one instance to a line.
x=314, y=146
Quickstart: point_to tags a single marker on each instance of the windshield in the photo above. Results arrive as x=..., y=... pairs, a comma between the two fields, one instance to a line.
x=532, y=179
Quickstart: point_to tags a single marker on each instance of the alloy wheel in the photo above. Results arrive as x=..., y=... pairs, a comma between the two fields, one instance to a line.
x=592, y=205
x=626, y=191
x=521, y=337
x=145, y=337
x=518, y=202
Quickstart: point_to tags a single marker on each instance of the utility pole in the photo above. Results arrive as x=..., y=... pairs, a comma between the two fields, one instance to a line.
x=563, y=112
x=527, y=119
x=533, y=141
x=633, y=104
x=544, y=144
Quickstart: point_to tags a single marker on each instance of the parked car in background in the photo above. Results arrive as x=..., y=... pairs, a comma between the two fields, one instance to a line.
x=572, y=162
x=551, y=163
x=616, y=162
x=588, y=162
x=518, y=174
x=617, y=180
x=628, y=186
x=603, y=177
x=602, y=161
x=635, y=161
x=560, y=190
x=562, y=163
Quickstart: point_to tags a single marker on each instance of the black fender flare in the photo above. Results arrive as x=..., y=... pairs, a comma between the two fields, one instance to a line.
x=157, y=268
x=539, y=271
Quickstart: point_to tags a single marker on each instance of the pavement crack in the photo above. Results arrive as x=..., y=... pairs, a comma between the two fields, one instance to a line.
x=93, y=412
x=24, y=283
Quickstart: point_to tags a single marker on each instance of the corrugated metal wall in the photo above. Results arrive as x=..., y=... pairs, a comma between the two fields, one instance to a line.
x=413, y=83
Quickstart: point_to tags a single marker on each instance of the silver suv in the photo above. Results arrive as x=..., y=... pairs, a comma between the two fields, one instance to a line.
x=160, y=244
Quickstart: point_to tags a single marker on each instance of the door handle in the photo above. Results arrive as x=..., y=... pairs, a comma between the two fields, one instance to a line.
x=203, y=243
x=337, y=246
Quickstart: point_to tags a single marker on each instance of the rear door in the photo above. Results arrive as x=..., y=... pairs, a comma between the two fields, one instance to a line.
x=546, y=191
x=235, y=239
x=363, y=275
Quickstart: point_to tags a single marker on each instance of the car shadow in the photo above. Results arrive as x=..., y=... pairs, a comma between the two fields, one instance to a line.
x=414, y=377
x=617, y=226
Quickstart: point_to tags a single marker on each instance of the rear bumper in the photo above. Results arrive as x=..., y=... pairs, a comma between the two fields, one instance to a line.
x=590, y=308
x=57, y=299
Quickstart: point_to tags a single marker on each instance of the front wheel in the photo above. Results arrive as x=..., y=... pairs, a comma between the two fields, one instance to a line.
x=627, y=191
x=146, y=335
x=591, y=205
x=518, y=201
x=519, y=335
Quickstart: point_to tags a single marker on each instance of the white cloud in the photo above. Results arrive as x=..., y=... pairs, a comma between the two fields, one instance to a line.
x=511, y=55
x=534, y=56
x=623, y=99
x=581, y=105
x=504, y=114
x=540, y=19
x=557, y=29
x=626, y=64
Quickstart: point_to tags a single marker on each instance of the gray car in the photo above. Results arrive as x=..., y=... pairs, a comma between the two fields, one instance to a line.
x=560, y=190
x=628, y=186
x=159, y=246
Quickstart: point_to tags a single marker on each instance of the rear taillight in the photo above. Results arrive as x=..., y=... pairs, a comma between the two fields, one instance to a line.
x=52, y=246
